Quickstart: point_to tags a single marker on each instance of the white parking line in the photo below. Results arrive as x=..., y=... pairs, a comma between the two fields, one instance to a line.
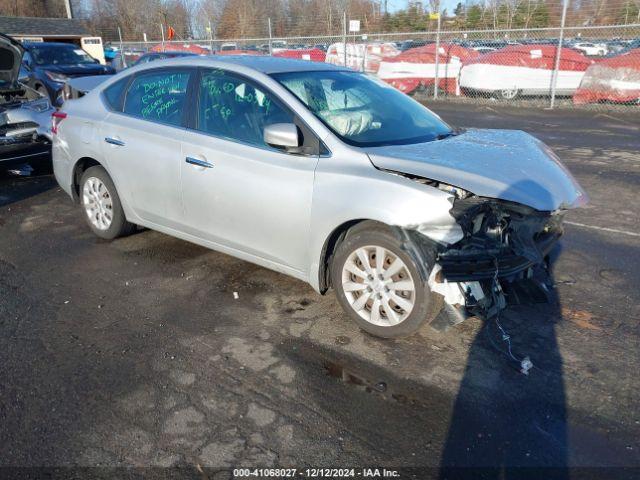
x=604, y=229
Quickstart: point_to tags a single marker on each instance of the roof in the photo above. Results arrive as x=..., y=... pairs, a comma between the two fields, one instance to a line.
x=269, y=65
x=36, y=26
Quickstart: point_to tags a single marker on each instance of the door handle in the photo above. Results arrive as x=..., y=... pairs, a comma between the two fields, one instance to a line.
x=114, y=141
x=198, y=163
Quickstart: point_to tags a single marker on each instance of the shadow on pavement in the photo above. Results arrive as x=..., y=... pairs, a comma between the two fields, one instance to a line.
x=506, y=423
x=14, y=188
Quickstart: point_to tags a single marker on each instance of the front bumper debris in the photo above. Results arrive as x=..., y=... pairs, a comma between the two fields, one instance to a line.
x=501, y=259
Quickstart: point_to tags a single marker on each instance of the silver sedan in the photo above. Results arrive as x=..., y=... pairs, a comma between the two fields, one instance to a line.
x=320, y=173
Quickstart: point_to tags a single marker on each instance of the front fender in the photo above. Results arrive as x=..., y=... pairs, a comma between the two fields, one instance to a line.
x=344, y=195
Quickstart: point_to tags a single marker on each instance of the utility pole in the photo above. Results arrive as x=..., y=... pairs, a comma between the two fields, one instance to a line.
x=270, y=38
x=67, y=6
x=344, y=36
x=124, y=57
x=554, y=76
x=437, y=73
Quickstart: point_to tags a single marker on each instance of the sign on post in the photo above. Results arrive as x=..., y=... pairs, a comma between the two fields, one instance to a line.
x=354, y=25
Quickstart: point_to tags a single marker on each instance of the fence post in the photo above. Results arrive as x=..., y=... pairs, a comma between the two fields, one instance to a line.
x=124, y=57
x=210, y=38
x=344, y=35
x=162, y=33
x=556, y=68
x=437, y=75
x=364, y=53
x=270, y=38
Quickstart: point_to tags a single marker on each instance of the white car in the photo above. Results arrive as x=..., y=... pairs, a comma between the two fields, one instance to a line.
x=591, y=49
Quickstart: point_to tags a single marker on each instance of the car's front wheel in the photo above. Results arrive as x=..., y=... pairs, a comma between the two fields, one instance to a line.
x=101, y=205
x=378, y=284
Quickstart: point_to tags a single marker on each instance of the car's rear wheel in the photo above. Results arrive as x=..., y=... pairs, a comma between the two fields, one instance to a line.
x=378, y=284
x=101, y=205
x=508, y=93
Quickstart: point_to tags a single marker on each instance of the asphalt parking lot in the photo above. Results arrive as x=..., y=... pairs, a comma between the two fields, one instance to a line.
x=138, y=353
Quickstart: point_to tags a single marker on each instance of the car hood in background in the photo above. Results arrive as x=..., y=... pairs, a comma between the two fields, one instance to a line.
x=10, y=59
x=504, y=164
x=86, y=84
x=82, y=69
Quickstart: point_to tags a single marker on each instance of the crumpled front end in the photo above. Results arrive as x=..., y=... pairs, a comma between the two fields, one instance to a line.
x=502, y=257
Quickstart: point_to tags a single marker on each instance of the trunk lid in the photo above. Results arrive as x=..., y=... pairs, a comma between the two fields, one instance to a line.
x=11, y=53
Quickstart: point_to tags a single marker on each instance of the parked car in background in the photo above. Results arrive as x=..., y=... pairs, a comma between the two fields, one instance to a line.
x=25, y=114
x=321, y=173
x=407, y=44
x=125, y=58
x=110, y=53
x=628, y=47
x=481, y=49
x=153, y=56
x=523, y=70
x=590, y=49
x=228, y=46
x=51, y=64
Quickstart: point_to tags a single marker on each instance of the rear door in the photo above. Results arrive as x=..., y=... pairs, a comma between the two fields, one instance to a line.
x=238, y=191
x=142, y=143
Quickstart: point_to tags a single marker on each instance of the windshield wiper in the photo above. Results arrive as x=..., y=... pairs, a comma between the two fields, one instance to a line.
x=442, y=136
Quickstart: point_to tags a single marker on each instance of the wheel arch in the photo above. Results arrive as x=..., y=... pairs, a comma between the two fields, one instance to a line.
x=79, y=168
x=416, y=245
x=329, y=248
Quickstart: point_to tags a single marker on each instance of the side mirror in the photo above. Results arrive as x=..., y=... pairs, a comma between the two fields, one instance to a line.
x=282, y=135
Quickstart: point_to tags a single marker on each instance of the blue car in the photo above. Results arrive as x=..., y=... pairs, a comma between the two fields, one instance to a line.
x=48, y=65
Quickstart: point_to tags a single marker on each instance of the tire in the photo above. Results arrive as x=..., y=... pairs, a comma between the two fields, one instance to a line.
x=368, y=238
x=100, y=205
x=508, y=93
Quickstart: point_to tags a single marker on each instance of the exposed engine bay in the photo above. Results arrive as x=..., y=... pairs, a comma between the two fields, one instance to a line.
x=504, y=251
x=25, y=114
x=501, y=259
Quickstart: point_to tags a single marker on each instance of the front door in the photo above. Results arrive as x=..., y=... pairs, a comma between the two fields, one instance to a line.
x=238, y=191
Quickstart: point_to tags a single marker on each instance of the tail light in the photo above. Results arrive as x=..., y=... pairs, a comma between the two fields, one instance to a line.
x=56, y=119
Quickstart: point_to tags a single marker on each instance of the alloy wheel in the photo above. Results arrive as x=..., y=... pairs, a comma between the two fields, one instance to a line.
x=509, y=93
x=97, y=203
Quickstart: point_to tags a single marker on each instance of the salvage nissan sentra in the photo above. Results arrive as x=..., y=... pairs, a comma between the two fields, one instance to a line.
x=320, y=173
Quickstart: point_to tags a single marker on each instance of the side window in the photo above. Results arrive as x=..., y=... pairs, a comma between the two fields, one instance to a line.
x=158, y=96
x=234, y=108
x=113, y=94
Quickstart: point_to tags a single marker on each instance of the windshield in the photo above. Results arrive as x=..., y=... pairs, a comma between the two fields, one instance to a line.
x=362, y=111
x=50, y=55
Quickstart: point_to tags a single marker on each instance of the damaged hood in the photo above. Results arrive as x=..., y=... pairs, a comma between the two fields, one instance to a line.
x=504, y=164
x=10, y=60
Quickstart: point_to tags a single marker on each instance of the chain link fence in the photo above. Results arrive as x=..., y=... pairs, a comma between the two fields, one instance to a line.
x=597, y=66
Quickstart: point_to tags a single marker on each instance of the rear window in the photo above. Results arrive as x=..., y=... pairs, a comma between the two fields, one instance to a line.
x=113, y=94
